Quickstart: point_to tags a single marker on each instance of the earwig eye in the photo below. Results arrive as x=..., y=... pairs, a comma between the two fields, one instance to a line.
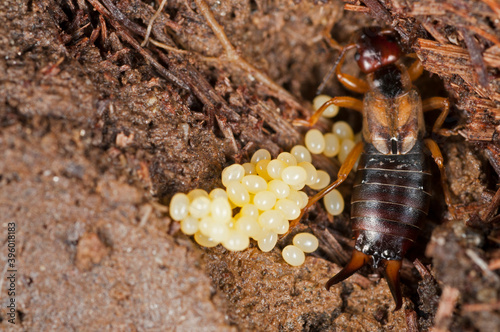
x=357, y=56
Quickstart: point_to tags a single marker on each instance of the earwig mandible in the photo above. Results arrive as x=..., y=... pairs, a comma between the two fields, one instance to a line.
x=391, y=192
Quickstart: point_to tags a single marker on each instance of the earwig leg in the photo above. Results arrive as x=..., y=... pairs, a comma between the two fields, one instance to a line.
x=350, y=82
x=347, y=102
x=438, y=103
x=358, y=260
x=328, y=37
x=391, y=274
x=438, y=159
x=344, y=171
x=415, y=70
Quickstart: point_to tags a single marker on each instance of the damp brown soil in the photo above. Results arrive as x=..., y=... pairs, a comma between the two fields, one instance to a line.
x=97, y=133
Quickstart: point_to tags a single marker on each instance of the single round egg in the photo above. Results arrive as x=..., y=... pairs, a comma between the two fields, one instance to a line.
x=343, y=130
x=237, y=193
x=332, y=145
x=306, y=242
x=301, y=153
x=294, y=175
x=293, y=255
x=315, y=142
x=322, y=182
x=334, y=202
x=346, y=147
x=330, y=111
x=259, y=155
x=268, y=241
x=232, y=173
x=287, y=158
x=179, y=206
x=204, y=241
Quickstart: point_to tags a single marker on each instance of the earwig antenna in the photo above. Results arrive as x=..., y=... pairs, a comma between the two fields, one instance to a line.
x=334, y=67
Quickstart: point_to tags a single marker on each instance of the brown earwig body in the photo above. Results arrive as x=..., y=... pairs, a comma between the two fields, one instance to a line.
x=391, y=193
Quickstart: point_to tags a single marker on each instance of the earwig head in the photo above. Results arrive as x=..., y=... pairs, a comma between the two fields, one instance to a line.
x=391, y=274
x=376, y=48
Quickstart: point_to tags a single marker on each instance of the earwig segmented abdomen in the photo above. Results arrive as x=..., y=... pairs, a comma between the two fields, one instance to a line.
x=390, y=201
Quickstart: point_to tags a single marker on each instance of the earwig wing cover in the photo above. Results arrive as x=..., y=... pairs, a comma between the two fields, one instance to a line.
x=409, y=121
x=377, y=122
x=358, y=260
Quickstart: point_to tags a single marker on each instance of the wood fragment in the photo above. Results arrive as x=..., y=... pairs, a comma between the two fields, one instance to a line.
x=444, y=313
x=422, y=270
x=494, y=264
x=411, y=320
x=331, y=246
x=493, y=207
x=356, y=8
x=379, y=11
x=493, y=154
x=286, y=132
x=481, y=307
x=495, y=5
x=482, y=265
x=481, y=104
x=476, y=57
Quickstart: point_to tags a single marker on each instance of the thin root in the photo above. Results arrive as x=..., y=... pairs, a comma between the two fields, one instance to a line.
x=150, y=24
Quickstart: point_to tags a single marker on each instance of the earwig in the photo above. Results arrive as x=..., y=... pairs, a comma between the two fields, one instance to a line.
x=391, y=192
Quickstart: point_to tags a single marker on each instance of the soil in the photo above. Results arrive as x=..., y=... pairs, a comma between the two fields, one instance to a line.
x=97, y=133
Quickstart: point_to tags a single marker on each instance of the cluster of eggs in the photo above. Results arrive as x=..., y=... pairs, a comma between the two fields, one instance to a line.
x=262, y=196
x=337, y=143
x=265, y=194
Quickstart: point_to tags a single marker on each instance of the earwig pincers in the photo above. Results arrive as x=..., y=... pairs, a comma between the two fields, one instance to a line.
x=391, y=192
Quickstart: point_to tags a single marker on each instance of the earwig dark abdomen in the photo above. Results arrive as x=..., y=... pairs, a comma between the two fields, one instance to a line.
x=390, y=201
